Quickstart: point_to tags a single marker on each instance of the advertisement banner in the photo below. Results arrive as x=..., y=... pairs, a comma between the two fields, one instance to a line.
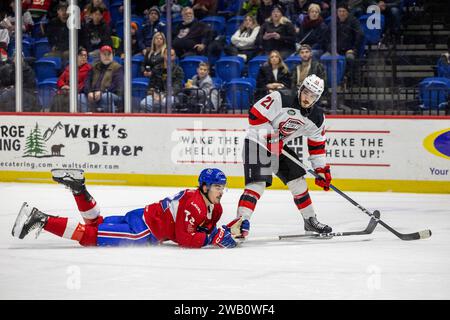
x=148, y=149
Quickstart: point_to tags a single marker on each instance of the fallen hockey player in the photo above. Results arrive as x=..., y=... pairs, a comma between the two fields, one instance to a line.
x=188, y=218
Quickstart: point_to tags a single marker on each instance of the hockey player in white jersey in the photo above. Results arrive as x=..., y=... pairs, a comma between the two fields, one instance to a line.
x=274, y=120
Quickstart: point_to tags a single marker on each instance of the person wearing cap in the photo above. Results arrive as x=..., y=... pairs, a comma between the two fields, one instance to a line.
x=137, y=42
x=152, y=26
x=277, y=33
x=95, y=34
x=58, y=33
x=104, y=86
x=349, y=37
x=307, y=67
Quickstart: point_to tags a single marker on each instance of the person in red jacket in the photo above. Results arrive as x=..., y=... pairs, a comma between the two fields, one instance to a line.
x=188, y=218
x=61, y=101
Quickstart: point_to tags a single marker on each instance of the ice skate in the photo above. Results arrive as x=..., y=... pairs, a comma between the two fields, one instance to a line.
x=28, y=220
x=71, y=178
x=312, y=225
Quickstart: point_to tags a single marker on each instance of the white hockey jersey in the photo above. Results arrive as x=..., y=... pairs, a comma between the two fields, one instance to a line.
x=277, y=112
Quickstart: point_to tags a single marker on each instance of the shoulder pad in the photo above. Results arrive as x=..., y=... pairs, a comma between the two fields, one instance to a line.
x=287, y=98
x=317, y=116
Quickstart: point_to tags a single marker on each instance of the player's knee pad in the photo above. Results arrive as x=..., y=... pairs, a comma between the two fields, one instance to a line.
x=297, y=186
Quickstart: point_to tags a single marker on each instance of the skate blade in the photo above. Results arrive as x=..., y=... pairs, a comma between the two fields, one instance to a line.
x=22, y=217
x=74, y=173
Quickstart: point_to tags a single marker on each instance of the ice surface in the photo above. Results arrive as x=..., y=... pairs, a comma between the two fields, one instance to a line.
x=377, y=266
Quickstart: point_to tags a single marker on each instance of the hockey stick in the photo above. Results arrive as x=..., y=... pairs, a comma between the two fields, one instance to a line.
x=404, y=236
x=368, y=230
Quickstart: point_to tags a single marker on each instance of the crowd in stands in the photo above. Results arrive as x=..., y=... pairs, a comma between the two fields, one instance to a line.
x=276, y=30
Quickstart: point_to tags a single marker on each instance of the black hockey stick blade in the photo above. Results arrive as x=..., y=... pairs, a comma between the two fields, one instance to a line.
x=424, y=234
x=368, y=230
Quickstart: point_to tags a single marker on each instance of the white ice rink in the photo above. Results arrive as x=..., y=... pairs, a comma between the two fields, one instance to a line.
x=376, y=266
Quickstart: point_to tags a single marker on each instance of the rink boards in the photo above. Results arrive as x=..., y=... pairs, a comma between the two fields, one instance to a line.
x=404, y=154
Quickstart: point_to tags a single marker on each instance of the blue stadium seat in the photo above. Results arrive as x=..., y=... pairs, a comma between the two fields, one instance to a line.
x=293, y=61
x=434, y=93
x=327, y=62
x=114, y=11
x=27, y=47
x=46, y=91
x=233, y=24
x=46, y=68
x=443, y=70
x=119, y=60
x=228, y=68
x=239, y=94
x=190, y=65
x=139, y=87
x=57, y=60
x=136, y=63
x=255, y=64
x=217, y=82
x=217, y=23
x=371, y=36
x=41, y=47
x=119, y=29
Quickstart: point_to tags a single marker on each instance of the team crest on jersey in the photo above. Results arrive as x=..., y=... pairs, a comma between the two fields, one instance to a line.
x=291, y=112
x=289, y=126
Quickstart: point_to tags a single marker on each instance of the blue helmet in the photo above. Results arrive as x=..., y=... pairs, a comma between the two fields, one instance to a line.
x=211, y=176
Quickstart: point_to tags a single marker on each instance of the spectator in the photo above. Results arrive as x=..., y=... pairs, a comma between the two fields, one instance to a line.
x=177, y=6
x=199, y=92
x=203, y=8
x=7, y=23
x=308, y=67
x=58, y=33
x=243, y=40
x=313, y=30
x=265, y=10
x=191, y=36
x=137, y=43
x=37, y=8
x=104, y=86
x=141, y=7
x=357, y=7
x=60, y=102
x=152, y=26
x=154, y=56
x=393, y=13
x=349, y=36
x=299, y=12
x=157, y=87
x=250, y=7
x=273, y=75
x=278, y=33
x=8, y=83
x=95, y=34
x=88, y=9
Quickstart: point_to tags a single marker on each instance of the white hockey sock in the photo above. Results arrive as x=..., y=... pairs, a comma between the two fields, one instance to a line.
x=247, y=202
x=299, y=190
